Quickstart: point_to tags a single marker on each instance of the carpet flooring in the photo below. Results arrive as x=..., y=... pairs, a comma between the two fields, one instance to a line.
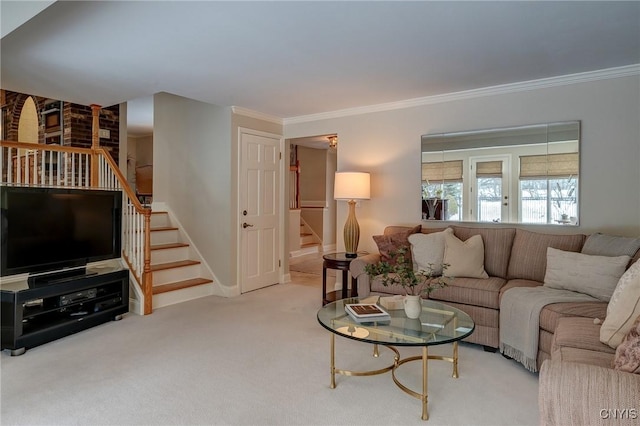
x=308, y=264
x=257, y=359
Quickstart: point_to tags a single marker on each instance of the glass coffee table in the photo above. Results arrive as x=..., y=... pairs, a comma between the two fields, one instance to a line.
x=438, y=324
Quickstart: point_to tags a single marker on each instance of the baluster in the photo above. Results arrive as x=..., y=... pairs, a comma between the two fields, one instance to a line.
x=9, y=165
x=87, y=171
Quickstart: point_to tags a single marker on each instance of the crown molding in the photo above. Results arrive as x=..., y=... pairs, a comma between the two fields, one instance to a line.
x=604, y=74
x=255, y=114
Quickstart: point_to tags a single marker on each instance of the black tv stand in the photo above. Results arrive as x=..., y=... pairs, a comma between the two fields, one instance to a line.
x=33, y=315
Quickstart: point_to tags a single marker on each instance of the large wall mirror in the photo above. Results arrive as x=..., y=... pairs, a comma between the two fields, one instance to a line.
x=525, y=174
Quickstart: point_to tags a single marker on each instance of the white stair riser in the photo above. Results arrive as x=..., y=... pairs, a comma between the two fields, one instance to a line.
x=166, y=276
x=164, y=237
x=169, y=255
x=307, y=239
x=182, y=295
x=305, y=250
x=159, y=220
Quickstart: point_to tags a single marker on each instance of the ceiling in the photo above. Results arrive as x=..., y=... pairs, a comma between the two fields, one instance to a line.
x=291, y=59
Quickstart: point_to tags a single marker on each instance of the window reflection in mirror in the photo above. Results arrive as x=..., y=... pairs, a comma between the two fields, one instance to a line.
x=526, y=174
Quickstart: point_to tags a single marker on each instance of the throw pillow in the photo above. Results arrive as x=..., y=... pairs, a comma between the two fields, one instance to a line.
x=623, y=307
x=596, y=276
x=427, y=249
x=610, y=245
x=390, y=243
x=465, y=258
x=628, y=353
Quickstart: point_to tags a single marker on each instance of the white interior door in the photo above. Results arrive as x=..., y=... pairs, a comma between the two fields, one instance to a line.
x=259, y=211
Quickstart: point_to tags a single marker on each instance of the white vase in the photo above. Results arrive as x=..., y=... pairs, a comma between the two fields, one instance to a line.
x=412, y=306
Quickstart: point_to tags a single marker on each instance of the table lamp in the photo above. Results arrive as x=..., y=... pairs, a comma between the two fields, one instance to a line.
x=351, y=186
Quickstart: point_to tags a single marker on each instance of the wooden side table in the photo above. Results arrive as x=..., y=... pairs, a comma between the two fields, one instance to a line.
x=340, y=262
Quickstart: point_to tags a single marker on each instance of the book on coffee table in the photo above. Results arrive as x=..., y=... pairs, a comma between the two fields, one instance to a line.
x=366, y=312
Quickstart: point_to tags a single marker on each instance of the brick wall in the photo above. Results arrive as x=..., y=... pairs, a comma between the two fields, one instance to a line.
x=77, y=122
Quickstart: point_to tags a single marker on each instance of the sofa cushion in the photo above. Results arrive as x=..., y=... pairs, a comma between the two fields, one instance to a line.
x=628, y=352
x=378, y=287
x=529, y=253
x=583, y=356
x=596, y=276
x=427, y=251
x=497, y=246
x=397, y=229
x=518, y=283
x=551, y=314
x=581, y=333
x=392, y=242
x=610, y=245
x=623, y=307
x=471, y=291
x=464, y=258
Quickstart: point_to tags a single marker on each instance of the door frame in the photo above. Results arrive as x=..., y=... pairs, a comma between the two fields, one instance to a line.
x=281, y=215
x=506, y=182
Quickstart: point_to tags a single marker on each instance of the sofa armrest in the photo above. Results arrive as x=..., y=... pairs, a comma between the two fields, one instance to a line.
x=582, y=394
x=356, y=267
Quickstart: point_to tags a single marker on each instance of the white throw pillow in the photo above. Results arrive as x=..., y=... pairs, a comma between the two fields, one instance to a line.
x=427, y=249
x=596, y=276
x=465, y=258
x=623, y=308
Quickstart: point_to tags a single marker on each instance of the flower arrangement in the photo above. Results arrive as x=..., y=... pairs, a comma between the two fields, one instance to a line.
x=401, y=272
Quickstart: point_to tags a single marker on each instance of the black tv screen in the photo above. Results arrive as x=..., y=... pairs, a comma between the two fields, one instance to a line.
x=45, y=229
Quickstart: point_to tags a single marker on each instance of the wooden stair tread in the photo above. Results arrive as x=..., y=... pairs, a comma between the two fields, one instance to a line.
x=168, y=246
x=178, y=285
x=164, y=228
x=305, y=234
x=158, y=212
x=309, y=245
x=171, y=265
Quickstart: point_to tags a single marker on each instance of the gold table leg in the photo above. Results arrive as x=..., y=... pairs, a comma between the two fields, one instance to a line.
x=455, y=360
x=425, y=362
x=333, y=361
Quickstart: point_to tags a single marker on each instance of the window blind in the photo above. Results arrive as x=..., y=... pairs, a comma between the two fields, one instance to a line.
x=442, y=171
x=551, y=165
x=489, y=169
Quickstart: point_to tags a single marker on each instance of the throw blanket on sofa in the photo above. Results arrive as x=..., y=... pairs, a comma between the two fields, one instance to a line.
x=520, y=319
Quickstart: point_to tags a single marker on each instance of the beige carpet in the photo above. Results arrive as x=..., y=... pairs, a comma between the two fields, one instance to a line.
x=257, y=359
x=309, y=264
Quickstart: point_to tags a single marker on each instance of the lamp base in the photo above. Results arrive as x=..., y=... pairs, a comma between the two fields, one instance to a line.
x=351, y=232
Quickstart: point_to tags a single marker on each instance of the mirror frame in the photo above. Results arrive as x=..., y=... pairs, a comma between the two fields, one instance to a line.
x=541, y=140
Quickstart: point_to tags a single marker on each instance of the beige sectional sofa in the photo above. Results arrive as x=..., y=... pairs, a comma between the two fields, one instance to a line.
x=514, y=257
x=577, y=382
x=578, y=385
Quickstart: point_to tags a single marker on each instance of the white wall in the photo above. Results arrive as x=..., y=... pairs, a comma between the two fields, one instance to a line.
x=329, y=227
x=192, y=165
x=387, y=144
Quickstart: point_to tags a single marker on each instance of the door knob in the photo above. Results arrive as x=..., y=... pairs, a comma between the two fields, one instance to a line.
x=246, y=225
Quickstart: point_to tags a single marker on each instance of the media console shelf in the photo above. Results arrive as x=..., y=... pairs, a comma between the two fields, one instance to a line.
x=36, y=314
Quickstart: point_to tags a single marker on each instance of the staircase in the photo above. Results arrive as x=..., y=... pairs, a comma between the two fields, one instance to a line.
x=309, y=241
x=178, y=273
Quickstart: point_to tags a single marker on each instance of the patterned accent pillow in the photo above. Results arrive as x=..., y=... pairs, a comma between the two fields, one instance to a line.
x=628, y=353
x=387, y=244
x=623, y=307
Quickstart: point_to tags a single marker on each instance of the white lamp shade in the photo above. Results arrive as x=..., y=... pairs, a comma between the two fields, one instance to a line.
x=352, y=186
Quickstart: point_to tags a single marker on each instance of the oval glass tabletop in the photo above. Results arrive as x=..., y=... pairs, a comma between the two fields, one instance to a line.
x=438, y=324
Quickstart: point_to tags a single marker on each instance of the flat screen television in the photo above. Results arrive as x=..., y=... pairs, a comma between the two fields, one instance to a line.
x=48, y=229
